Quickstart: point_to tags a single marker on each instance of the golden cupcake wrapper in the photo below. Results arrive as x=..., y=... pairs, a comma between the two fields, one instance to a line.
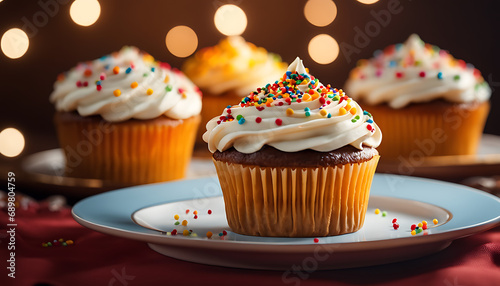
x=296, y=202
x=129, y=153
x=415, y=132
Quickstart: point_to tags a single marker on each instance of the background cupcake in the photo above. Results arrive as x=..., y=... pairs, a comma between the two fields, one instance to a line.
x=295, y=158
x=229, y=71
x=126, y=118
x=426, y=101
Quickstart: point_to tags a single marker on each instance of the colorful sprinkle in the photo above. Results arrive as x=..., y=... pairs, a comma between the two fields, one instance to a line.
x=279, y=122
x=377, y=211
x=384, y=213
x=395, y=225
x=421, y=74
x=289, y=112
x=149, y=91
x=87, y=72
x=185, y=232
x=184, y=222
x=209, y=212
x=394, y=220
x=209, y=234
x=457, y=77
x=413, y=226
x=116, y=70
x=440, y=75
x=128, y=70
x=258, y=120
x=413, y=232
x=134, y=84
x=435, y=221
x=316, y=240
x=176, y=217
x=117, y=92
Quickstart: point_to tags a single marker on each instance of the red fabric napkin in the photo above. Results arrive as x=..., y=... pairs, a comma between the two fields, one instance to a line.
x=99, y=259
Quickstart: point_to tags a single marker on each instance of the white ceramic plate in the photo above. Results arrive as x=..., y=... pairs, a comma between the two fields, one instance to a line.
x=147, y=213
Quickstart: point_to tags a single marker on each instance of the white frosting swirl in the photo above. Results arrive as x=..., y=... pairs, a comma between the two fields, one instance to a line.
x=124, y=85
x=415, y=72
x=291, y=120
x=233, y=65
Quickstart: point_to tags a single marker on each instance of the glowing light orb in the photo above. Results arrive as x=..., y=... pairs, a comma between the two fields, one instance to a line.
x=230, y=20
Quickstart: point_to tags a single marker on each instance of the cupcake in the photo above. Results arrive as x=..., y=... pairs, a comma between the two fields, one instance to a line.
x=229, y=71
x=126, y=118
x=427, y=102
x=295, y=158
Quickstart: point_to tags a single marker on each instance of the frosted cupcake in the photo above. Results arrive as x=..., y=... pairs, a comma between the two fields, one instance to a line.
x=427, y=102
x=126, y=118
x=229, y=71
x=295, y=158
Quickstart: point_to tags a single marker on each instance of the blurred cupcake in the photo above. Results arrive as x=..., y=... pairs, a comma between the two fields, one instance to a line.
x=126, y=118
x=295, y=158
x=229, y=71
x=427, y=102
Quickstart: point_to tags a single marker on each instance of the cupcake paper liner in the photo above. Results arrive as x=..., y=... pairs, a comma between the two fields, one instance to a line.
x=417, y=132
x=128, y=153
x=296, y=202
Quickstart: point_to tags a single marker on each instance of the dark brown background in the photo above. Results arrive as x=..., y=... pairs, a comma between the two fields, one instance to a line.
x=468, y=29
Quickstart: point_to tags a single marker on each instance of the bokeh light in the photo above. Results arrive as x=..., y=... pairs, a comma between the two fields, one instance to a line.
x=320, y=12
x=367, y=1
x=85, y=12
x=11, y=142
x=323, y=49
x=230, y=20
x=14, y=43
x=181, y=41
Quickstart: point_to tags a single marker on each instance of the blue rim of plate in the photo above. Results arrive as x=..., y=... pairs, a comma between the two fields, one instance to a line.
x=473, y=210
